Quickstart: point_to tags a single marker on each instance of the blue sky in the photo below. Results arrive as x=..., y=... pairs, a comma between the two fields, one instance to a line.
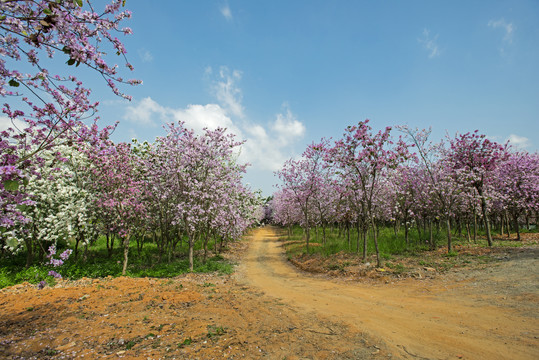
x=282, y=74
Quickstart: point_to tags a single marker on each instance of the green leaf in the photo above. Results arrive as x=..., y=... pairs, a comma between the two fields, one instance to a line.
x=22, y=208
x=71, y=62
x=47, y=11
x=11, y=185
x=123, y=3
x=12, y=243
x=78, y=2
x=13, y=83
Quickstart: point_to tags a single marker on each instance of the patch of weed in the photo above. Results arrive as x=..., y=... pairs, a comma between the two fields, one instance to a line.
x=215, y=331
x=186, y=342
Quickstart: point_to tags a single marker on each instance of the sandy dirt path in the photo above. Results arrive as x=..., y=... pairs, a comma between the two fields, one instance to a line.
x=428, y=319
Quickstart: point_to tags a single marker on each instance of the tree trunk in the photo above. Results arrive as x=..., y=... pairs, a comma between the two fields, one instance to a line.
x=507, y=225
x=449, y=243
x=406, y=238
x=358, y=237
x=348, y=235
x=110, y=244
x=375, y=237
x=140, y=242
x=432, y=244
x=515, y=219
x=485, y=217
x=85, y=252
x=474, y=226
x=126, y=253
x=29, y=252
x=418, y=225
x=206, y=239
x=364, y=235
x=76, y=250
x=191, y=242
x=307, y=238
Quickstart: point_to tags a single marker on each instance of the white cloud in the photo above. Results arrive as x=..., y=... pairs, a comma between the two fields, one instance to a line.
x=262, y=150
x=145, y=55
x=287, y=127
x=146, y=112
x=211, y=116
x=16, y=124
x=267, y=146
x=508, y=28
x=227, y=91
x=430, y=43
x=519, y=142
x=226, y=12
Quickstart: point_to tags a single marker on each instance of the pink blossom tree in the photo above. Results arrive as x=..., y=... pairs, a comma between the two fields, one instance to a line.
x=203, y=181
x=474, y=159
x=302, y=180
x=284, y=210
x=364, y=157
x=517, y=185
x=118, y=190
x=442, y=181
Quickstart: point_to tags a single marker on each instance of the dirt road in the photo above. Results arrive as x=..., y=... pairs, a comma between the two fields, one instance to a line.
x=468, y=317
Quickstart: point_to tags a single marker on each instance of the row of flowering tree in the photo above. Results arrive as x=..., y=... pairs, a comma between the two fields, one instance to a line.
x=195, y=185
x=367, y=180
x=184, y=185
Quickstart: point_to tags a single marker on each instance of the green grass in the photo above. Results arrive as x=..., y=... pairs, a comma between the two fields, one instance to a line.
x=98, y=265
x=387, y=242
x=397, y=268
x=389, y=245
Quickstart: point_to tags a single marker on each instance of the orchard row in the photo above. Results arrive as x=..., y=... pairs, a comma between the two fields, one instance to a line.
x=367, y=180
x=182, y=186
